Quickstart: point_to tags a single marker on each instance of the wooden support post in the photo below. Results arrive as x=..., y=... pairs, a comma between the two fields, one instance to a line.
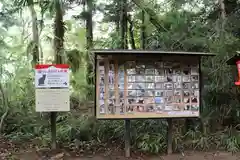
x=125, y=90
x=97, y=108
x=53, y=123
x=53, y=129
x=169, y=136
x=116, y=83
x=106, y=85
x=127, y=139
x=127, y=121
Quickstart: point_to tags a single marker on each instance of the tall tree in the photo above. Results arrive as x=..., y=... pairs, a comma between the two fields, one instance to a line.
x=89, y=39
x=58, y=32
x=59, y=54
x=89, y=24
x=123, y=24
x=143, y=30
x=34, y=44
x=131, y=31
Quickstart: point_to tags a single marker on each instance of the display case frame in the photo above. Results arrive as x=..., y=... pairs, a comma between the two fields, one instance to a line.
x=145, y=84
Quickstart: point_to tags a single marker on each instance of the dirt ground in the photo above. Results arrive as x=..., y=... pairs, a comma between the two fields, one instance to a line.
x=10, y=151
x=190, y=156
x=61, y=155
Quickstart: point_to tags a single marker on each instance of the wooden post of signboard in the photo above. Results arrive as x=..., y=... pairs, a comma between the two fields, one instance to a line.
x=127, y=121
x=169, y=136
x=53, y=117
x=127, y=138
x=53, y=129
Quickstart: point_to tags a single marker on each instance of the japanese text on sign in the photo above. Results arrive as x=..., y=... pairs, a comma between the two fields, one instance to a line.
x=48, y=76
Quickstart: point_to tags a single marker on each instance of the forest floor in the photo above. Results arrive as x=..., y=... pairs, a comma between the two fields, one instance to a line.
x=10, y=151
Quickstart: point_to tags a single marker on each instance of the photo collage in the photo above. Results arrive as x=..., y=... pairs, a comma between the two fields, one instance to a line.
x=157, y=87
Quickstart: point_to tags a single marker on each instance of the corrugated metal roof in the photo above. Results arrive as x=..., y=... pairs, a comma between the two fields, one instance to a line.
x=109, y=51
x=233, y=59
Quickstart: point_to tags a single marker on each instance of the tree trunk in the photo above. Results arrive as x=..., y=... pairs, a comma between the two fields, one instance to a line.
x=153, y=17
x=117, y=26
x=89, y=25
x=58, y=32
x=222, y=9
x=35, y=36
x=123, y=24
x=5, y=102
x=131, y=33
x=118, y=22
x=223, y=20
x=143, y=31
x=89, y=39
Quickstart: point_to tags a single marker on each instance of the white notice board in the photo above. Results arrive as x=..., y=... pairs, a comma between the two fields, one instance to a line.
x=47, y=76
x=52, y=100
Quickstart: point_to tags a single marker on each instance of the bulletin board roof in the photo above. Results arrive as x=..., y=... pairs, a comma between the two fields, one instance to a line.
x=109, y=51
x=233, y=59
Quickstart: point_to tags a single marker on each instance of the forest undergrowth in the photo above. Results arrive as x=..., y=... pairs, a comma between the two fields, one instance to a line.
x=216, y=129
x=86, y=134
x=180, y=26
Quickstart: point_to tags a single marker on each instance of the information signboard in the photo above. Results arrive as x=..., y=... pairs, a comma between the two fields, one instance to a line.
x=52, y=88
x=52, y=100
x=132, y=84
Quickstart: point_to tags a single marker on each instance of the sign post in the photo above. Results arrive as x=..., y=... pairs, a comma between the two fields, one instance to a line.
x=52, y=91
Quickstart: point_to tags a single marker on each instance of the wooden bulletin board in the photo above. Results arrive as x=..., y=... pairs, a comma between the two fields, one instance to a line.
x=135, y=84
